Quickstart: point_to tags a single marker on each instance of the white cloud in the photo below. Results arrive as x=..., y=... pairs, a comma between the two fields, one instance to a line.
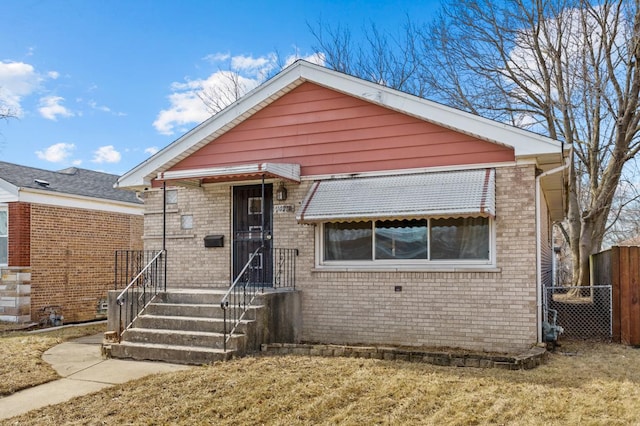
x=221, y=88
x=255, y=67
x=152, y=150
x=93, y=104
x=106, y=154
x=54, y=75
x=51, y=108
x=17, y=80
x=314, y=58
x=217, y=57
x=186, y=108
x=56, y=153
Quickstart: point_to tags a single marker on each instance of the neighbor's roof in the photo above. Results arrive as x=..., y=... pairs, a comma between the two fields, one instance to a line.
x=73, y=180
x=547, y=152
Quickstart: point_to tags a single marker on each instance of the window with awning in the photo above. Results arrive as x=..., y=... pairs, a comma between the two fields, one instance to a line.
x=428, y=218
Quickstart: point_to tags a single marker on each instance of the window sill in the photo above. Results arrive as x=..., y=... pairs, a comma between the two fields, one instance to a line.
x=408, y=268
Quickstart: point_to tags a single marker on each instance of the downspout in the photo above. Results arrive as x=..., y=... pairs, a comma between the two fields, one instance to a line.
x=262, y=250
x=539, y=246
x=164, y=230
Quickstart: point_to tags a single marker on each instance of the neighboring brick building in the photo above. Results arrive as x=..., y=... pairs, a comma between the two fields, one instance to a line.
x=58, y=234
x=416, y=224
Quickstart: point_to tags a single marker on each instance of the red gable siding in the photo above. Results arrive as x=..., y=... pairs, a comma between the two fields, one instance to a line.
x=327, y=132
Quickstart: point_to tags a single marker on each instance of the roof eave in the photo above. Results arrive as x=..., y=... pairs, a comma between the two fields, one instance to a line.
x=523, y=142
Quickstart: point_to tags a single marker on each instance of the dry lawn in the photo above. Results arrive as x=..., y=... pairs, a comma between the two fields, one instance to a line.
x=588, y=384
x=21, y=364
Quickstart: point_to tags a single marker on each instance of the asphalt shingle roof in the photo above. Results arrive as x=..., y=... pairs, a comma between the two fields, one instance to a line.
x=73, y=180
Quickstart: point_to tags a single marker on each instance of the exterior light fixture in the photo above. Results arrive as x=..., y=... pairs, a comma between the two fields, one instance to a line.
x=281, y=192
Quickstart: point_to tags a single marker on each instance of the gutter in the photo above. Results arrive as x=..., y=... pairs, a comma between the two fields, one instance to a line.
x=538, y=245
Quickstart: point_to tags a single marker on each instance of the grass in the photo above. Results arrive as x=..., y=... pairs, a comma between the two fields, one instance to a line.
x=21, y=354
x=581, y=384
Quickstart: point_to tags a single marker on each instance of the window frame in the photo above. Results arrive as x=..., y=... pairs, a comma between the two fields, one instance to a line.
x=419, y=264
x=171, y=197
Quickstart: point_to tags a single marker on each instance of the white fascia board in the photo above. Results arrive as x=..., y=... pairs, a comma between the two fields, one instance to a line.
x=523, y=142
x=8, y=192
x=79, y=202
x=141, y=175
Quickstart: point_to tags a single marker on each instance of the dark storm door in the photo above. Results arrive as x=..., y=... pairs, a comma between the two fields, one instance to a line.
x=251, y=229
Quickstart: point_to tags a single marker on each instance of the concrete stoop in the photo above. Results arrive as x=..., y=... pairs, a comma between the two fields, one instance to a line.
x=182, y=328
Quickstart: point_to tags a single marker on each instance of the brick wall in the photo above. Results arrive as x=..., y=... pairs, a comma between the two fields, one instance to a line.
x=19, y=234
x=486, y=310
x=72, y=258
x=189, y=263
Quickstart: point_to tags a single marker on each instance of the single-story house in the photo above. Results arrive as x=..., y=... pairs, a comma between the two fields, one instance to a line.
x=415, y=223
x=58, y=234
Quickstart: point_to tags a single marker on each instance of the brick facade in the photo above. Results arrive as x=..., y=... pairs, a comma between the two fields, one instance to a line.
x=491, y=310
x=19, y=234
x=72, y=258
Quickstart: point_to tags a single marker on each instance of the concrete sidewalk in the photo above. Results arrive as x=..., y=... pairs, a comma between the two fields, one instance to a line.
x=83, y=371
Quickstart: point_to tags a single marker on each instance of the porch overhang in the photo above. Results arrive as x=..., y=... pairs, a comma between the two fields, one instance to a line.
x=285, y=171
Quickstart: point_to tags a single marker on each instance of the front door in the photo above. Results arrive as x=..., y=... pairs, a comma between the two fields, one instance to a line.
x=252, y=227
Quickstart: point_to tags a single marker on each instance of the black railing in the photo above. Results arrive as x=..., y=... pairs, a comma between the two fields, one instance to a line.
x=284, y=267
x=250, y=282
x=147, y=282
x=129, y=263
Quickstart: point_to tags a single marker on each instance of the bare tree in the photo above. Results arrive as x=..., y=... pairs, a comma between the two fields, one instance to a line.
x=230, y=82
x=6, y=111
x=564, y=68
x=391, y=60
x=229, y=88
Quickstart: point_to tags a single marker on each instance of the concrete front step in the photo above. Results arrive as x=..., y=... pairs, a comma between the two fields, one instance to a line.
x=183, y=323
x=183, y=338
x=185, y=326
x=167, y=353
x=207, y=297
x=192, y=310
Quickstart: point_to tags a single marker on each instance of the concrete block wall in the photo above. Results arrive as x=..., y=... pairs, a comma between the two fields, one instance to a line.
x=72, y=258
x=493, y=310
x=15, y=294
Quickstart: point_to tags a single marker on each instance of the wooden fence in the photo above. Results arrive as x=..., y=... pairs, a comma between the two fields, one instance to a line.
x=620, y=268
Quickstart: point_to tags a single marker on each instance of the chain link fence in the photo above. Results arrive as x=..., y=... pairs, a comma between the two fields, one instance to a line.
x=583, y=312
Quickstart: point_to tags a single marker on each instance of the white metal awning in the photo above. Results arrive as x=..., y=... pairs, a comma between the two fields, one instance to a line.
x=453, y=193
x=290, y=172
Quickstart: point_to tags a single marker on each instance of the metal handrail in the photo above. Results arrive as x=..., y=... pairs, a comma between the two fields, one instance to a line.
x=244, y=289
x=242, y=303
x=148, y=277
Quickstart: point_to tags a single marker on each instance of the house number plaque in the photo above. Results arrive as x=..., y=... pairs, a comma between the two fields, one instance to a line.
x=283, y=208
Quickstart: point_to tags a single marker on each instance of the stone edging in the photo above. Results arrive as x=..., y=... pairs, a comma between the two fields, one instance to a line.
x=525, y=361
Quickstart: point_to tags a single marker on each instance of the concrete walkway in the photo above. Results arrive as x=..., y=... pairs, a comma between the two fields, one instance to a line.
x=83, y=371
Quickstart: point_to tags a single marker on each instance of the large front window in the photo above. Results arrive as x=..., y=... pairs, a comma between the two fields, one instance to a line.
x=415, y=241
x=4, y=235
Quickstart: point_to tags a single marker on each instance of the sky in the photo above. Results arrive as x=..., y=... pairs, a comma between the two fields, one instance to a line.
x=104, y=84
